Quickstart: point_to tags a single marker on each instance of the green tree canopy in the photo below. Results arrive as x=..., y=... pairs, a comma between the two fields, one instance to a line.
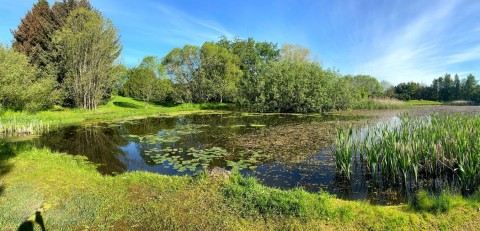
x=219, y=73
x=33, y=36
x=182, y=65
x=89, y=46
x=148, y=81
x=19, y=86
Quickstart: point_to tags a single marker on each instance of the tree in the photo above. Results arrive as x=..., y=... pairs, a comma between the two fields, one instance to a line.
x=89, y=46
x=469, y=87
x=388, y=89
x=61, y=10
x=255, y=59
x=366, y=85
x=33, y=36
x=182, y=65
x=148, y=81
x=19, y=86
x=408, y=91
x=446, y=88
x=457, y=92
x=295, y=53
x=219, y=73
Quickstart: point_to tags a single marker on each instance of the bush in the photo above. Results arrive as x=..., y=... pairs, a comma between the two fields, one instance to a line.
x=22, y=86
x=431, y=203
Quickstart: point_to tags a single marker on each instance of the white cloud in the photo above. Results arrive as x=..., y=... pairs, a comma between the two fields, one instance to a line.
x=424, y=49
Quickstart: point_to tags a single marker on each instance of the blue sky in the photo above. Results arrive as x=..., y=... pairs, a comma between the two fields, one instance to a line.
x=393, y=40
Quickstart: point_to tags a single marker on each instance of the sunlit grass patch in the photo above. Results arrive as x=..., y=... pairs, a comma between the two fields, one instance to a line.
x=423, y=102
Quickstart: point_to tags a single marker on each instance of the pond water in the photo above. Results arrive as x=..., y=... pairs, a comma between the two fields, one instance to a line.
x=278, y=150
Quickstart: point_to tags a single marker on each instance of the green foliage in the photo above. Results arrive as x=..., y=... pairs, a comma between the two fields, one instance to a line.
x=291, y=87
x=182, y=64
x=442, y=89
x=88, y=45
x=366, y=85
x=147, y=82
x=255, y=199
x=33, y=36
x=428, y=146
x=219, y=74
x=81, y=198
x=19, y=86
x=442, y=203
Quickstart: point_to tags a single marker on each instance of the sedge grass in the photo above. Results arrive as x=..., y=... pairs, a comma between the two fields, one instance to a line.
x=430, y=146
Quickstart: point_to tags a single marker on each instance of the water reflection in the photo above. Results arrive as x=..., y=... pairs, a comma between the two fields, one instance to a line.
x=187, y=144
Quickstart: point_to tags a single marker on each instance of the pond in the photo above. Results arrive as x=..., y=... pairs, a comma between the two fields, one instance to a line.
x=280, y=150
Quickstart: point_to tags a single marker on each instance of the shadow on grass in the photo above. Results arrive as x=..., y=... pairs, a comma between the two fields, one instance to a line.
x=126, y=105
x=6, y=152
x=203, y=106
x=164, y=104
x=30, y=225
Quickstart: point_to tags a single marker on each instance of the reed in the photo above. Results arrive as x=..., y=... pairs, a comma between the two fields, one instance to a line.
x=23, y=126
x=430, y=146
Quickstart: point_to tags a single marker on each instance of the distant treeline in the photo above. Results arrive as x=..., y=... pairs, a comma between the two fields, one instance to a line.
x=444, y=88
x=257, y=76
x=67, y=55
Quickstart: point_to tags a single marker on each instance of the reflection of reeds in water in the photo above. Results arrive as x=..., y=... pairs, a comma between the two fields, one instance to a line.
x=19, y=126
x=416, y=146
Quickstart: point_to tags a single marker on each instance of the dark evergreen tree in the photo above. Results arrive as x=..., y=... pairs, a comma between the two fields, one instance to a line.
x=34, y=35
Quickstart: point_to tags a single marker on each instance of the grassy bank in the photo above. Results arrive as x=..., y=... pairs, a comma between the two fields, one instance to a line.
x=423, y=102
x=65, y=192
x=117, y=108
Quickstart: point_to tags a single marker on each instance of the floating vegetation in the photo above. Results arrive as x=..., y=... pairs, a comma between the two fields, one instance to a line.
x=191, y=159
x=248, y=160
x=167, y=136
x=426, y=147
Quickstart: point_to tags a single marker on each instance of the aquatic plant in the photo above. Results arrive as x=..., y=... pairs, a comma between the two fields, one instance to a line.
x=344, y=150
x=430, y=146
x=193, y=159
x=22, y=126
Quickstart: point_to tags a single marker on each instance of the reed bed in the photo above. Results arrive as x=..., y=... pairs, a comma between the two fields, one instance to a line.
x=23, y=126
x=410, y=148
x=380, y=103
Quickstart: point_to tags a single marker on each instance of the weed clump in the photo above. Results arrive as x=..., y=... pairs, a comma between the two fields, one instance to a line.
x=424, y=202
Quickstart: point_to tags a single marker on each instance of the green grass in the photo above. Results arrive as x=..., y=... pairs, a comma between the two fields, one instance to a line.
x=68, y=193
x=423, y=102
x=118, y=108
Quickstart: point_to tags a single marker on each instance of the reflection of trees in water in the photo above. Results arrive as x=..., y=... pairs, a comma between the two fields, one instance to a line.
x=100, y=145
x=149, y=125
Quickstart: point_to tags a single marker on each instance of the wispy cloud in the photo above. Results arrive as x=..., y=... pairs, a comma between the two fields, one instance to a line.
x=425, y=48
x=187, y=28
x=155, y=28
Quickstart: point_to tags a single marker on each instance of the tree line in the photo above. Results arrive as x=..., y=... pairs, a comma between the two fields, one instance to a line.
x=444, y=88
x=67, y=54
x=257, y=76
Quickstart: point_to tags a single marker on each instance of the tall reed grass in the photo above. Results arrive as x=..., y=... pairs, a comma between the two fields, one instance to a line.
x=22, y=126
x=380, y=103
x=414, y=147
